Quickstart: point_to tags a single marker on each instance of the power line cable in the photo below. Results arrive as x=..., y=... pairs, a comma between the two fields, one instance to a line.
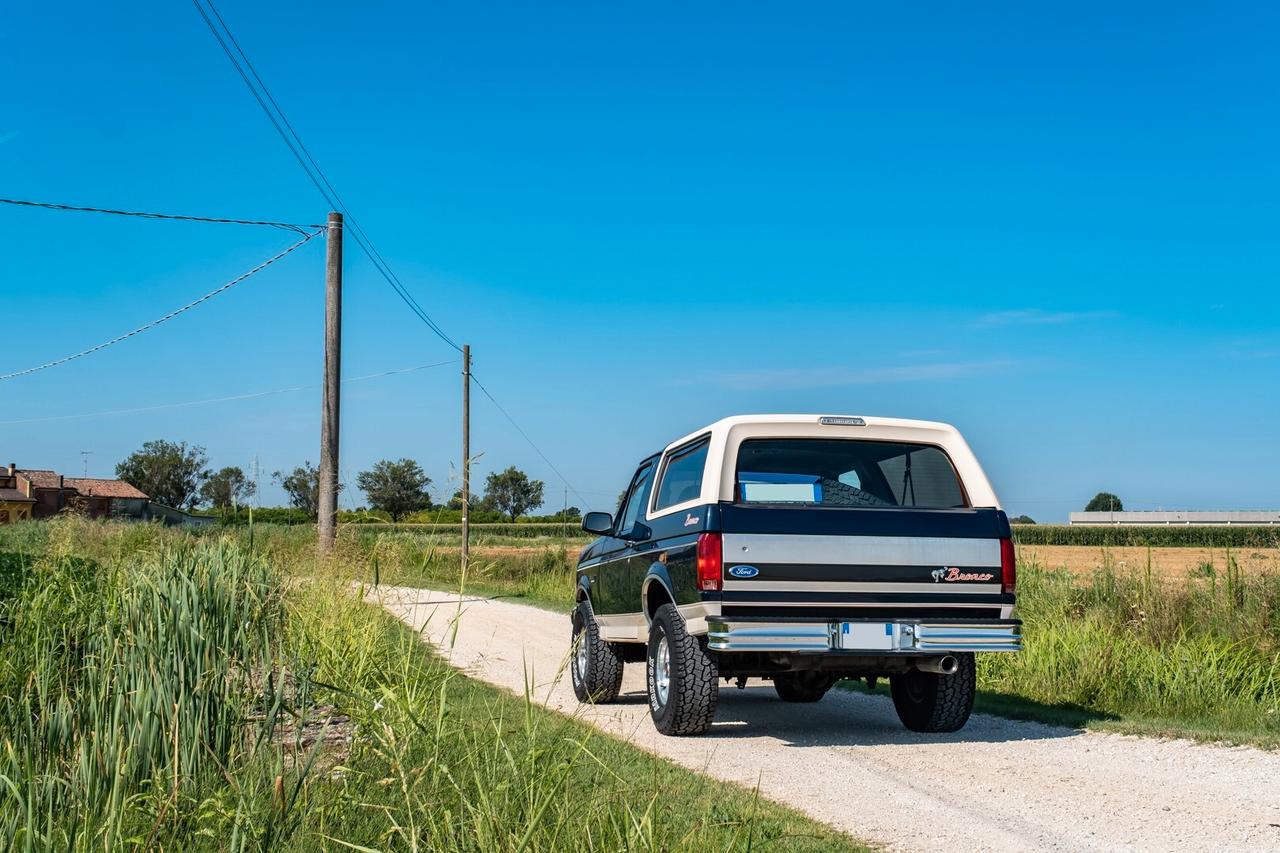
x=174, y=313
x=525, y=435
x=294, y=142
x=146, y=215
x=234, y=397
x=231, y=47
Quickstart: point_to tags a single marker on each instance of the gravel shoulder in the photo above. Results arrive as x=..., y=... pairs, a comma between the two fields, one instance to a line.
x=996, y=785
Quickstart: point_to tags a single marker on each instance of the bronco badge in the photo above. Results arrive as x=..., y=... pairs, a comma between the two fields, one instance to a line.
x=950, y=574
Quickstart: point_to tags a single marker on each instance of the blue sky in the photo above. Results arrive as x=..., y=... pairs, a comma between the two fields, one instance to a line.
x=1053, y=227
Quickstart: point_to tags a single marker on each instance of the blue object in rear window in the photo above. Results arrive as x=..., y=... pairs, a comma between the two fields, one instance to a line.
x=779, y=488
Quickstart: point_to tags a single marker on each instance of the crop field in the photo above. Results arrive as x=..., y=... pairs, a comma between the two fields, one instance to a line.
x=1169, y=563
x=163, y=690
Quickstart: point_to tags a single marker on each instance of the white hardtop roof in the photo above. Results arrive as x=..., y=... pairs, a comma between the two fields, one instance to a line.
x=727, y=434
x=871, y=427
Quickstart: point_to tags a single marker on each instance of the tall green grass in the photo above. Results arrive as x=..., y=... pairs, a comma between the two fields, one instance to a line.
x=163, y=690
x=1141, y=653
x=123, y=687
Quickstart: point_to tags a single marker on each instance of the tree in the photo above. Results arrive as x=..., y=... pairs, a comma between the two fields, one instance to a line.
x=1022, y=519
x=227, y=488
x=302, y=484
x=568, y=514
x=397, y=488
x=1104, y=502
x=512, y=492
x=168, y=471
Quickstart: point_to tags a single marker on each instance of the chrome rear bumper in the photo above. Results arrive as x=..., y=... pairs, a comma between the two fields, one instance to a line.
x=900, y=637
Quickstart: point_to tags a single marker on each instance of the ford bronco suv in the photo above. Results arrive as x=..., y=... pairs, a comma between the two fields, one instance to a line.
x=804, y=549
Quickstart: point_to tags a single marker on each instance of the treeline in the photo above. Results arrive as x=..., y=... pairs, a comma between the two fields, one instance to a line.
x=440, y=519
x=177, y=475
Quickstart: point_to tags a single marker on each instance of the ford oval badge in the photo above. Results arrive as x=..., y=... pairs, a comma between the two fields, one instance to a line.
x=744, y=571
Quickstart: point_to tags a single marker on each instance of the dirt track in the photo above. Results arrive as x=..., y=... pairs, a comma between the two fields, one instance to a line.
x=996, y=785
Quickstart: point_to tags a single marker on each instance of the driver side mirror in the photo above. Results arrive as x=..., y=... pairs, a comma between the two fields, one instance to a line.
x=599, y=523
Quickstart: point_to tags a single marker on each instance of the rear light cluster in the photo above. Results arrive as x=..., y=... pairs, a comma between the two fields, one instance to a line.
x=710, y=562
x=1008, y=567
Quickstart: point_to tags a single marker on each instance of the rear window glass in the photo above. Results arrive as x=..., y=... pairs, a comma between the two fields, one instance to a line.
x=846, y=472
x=682, y=476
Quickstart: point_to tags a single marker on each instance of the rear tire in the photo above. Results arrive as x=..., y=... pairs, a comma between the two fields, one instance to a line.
x=595, y=666
x=927, y=702
x=682, y=678
x=802, y=686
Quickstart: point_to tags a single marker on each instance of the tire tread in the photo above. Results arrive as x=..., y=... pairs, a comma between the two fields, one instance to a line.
x=695, y=687
x=604, y=664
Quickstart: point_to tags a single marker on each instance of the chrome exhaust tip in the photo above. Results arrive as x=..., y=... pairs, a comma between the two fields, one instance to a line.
x=945, y=665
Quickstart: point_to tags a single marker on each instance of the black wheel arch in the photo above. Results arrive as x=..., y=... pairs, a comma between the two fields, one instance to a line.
x=655, y=592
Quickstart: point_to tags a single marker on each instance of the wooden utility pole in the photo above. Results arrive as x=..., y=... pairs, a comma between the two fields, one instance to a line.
x=466, y=456
x=327, y=520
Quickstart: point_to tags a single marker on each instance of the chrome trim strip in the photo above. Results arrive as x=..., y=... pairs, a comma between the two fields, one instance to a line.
x=850, y=604
x=695, y=616
x=951, y=647
x=761, y=548
x=634, y=627
x=623, y=627
x=727, y=635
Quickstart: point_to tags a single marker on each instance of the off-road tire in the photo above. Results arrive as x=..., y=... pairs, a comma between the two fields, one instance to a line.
x=927, y=702
x=802, y=686
x=602, y=678
x=693, y=689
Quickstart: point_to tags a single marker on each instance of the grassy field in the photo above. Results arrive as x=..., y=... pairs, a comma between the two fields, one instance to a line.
x=175, y=690
x=161, y=690
x=1130, y=651
x=1119, y=648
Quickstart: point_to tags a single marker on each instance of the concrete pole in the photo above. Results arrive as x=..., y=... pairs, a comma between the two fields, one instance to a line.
x=466, y=456
x=327, y=520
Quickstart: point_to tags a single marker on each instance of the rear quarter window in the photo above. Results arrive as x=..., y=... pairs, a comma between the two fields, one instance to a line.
x=846, y=472
x=682, y=475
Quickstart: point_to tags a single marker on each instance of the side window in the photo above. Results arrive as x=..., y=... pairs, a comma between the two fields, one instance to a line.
x=636, y=501
x=682, y=475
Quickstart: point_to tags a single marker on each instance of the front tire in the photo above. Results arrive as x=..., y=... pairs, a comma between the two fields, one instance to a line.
x=595, y=666
x=927, y=702
x=682, y=678
x=802, y=686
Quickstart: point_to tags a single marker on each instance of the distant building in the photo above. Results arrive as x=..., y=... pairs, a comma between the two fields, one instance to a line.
x=41, y=493
x=1173, y=517
x=46, y=488
x=16, y=503
x=109, y=498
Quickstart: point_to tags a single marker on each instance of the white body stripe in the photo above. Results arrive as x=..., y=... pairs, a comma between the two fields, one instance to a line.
x=853, y=587
x=852, y=605
x=760, y=549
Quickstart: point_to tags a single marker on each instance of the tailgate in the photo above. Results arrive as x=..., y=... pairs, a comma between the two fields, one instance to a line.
x=863, y=563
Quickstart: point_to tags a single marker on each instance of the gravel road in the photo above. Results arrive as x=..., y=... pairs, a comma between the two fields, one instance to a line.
x=846, y=761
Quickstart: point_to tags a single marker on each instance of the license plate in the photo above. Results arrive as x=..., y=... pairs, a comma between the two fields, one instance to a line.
x=876, y=636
